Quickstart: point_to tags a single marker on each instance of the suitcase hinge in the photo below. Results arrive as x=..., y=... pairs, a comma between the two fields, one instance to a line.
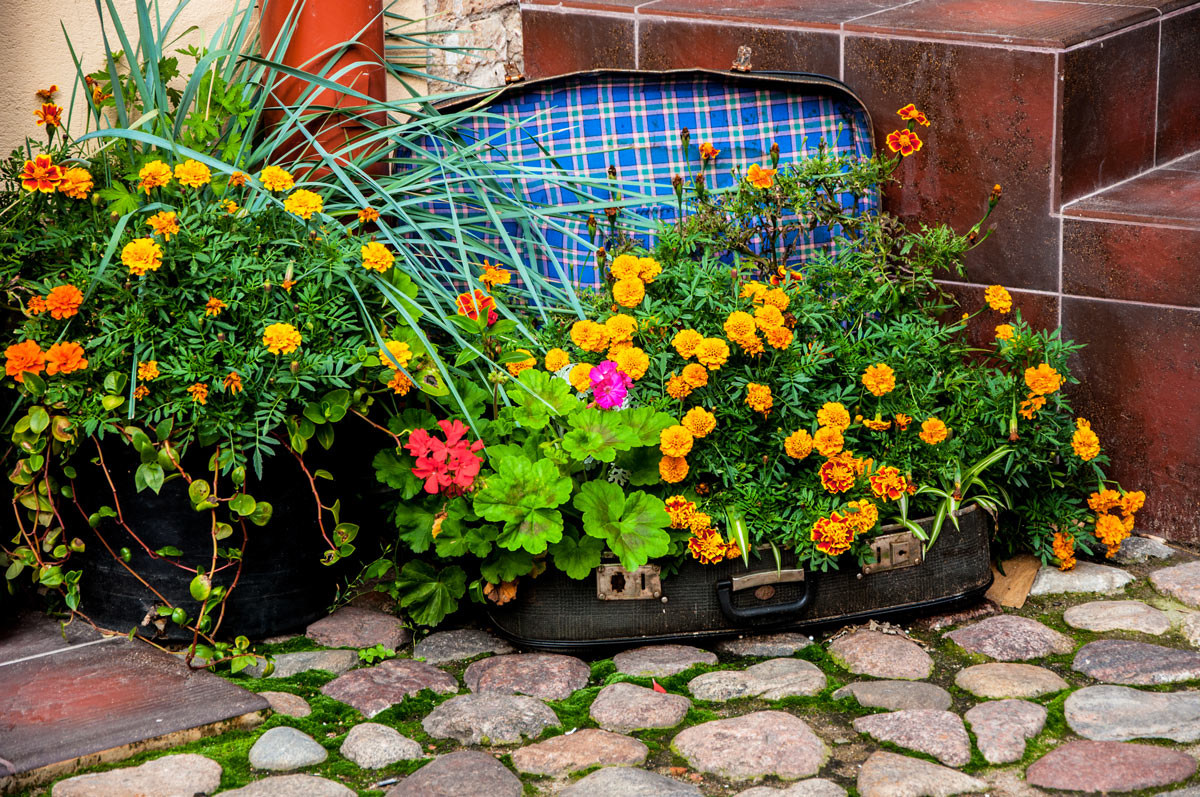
x=615, y=583
x=742, y=62
x=894, y=551
x=512, y=74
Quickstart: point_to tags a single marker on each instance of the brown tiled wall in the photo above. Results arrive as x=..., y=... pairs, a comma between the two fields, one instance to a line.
x=1057, y=101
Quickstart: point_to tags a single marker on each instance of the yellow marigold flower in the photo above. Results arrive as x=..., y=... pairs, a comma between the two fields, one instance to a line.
x=832, y=534
x=648, y=269
x=673, y=469
x=621, y=328
x=49, y=115
x=711, y=353
x=141, y=255
x=275, y=178
x=304, y=203
x=707, y=547
x=739, y=326
x=281, y=338
x=695, y=375
x=998, y=298
x=199, y=393
x=214, y=306
x=888, y=484
x=752, y=345
x=63, y=301
x=678, y=387
x=1064, y=550
x=1110, y=531
x=798, y=444
x=625, y=267
x=1043, y=380
x=1104, y=500
x=366, y=215
x=400, y=384
x=837, y=476
x=700, y=522
x=1004, y=332
x=141, y=392
x=193, y=174
x=753, y=291
x=877, y=425
x=680, y=511
x=1132, y=501
x=768, y=317
x=779, y=337
x=629, y=293
x=147, y=371
x=398, y=351
x=617, y=347
x=494, y=275
x=633, y=362
x=556, y=359
x=237, y=179
x=76, y=183
x=675, y=441
x=776, y=298
x=154, y=174
x=759, y=177
x=686, y=341
x=376, y=256
x=230, y=206
x=865, y=518
x=589, y=336
x=1085, y=442
x=880, y=379
x=580, y=378
x=164, y=223
x=902, y=421
x=232, y=382
x=699, y=421
x=759, y=397
x=515, y=368
x=828, y=441
x=933, y=431
x=834, y=415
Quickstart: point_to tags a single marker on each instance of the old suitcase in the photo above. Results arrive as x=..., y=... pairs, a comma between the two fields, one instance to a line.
x=615, y=135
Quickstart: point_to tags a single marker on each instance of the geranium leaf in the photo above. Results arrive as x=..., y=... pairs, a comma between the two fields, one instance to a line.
x=634, y=526
x=415, y=526
x=504, y=566
x=458, y=539
x=523, y=495
x=429, y=594
x=597, y=434
x=539, y=397
x=577, y=558
x=645, y=423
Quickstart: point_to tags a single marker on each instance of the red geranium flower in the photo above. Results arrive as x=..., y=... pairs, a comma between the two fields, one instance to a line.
x=449, y=465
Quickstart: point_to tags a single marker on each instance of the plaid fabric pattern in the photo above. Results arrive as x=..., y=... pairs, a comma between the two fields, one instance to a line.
x=579, y=126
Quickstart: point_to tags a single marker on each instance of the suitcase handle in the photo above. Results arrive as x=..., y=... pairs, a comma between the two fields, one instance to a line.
x=780, y=612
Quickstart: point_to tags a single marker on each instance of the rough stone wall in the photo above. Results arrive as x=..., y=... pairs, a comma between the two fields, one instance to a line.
x=493, y=24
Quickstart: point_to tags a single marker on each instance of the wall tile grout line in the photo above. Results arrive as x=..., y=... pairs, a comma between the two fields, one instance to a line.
x=1128, y=179
x=1039, y=292
x=1157, y=88
x=1158, y=225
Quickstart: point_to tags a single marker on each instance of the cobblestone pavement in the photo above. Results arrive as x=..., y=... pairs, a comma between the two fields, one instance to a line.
x=1077, y=691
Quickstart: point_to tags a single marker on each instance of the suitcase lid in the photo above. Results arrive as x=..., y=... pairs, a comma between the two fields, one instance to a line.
x=562, y=134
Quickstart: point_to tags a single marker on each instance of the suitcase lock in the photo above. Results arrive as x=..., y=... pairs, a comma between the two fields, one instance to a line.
x=615, y=583
x=894, y=551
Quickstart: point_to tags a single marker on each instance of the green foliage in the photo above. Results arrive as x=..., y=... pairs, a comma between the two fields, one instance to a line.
x=524, y=494
x=429, y=594
x=633, y=526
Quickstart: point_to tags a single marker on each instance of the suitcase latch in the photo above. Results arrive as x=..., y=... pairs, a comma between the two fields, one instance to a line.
x=742, y=62
x=615, y=583
x=894, y=551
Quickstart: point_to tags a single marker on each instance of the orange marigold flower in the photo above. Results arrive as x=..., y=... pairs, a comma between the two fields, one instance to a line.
x=23, y=358
x=556, y=359
x=76, y=183
x=906, y=142
x=288, y=284
x=699, y=421
x=862, y=516
x=275, y=178
x=474, y=304
x=759, y=177
x=798, y=445
x=752, y=345
x=1004, y=332
x=141, y=255
x=395, y=353
x=1110, y=531
x=366, y=215
x=229, y=206
x=933, y=431
x=164, y=223
x=700, y=522
x=739, y=326
x=711, y=352
x=1104, y=500
x=775, y=297
x=1031, y=406
x=768, y=317
x=515, y=368
x=47, y=95
x=580, y=378
x=199, y=393
x=154, y=174
x=708, y=547
x=376, y=256
x=147, y=371
x=680, y=511
x=193, y=174
x=835, y=415
x=305, y=203
x=686, y=341
x=887, y=484
x=625, y=267
x=998, y=298
x=753, y=291
x=695, y=375
x=237, y=179
x=673, y=469
x=1085, y=442
x=620, y=328
x=494, y=275
x=1043, y=380
x=880, y=379
x=632, y=362
x=140, y=392
x=708, y=152
x=1132, y=501
x=902, y=421
x=281, y=338
x=836, y=476
x=214, y=306
x=675, y=441
x=678, y=387
x=828, y=441
x=589, y=336
x=832, y=534
x=232, y=382
x=877, y=425
x=36, y=306
x=400, y=384
x=63, y=301
x=779, y=337
x=629, y=292
x=648, y=269
x=49, y=115
x=759, y=398
x=65, y=358
x=910, y=112
x=41, y=174
x=1064, y=550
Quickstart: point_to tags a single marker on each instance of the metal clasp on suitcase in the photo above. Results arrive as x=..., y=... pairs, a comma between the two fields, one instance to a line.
x=894, y=551
x=615, y=583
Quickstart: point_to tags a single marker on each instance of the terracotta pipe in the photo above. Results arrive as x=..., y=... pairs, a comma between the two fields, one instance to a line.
x=317, y=26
